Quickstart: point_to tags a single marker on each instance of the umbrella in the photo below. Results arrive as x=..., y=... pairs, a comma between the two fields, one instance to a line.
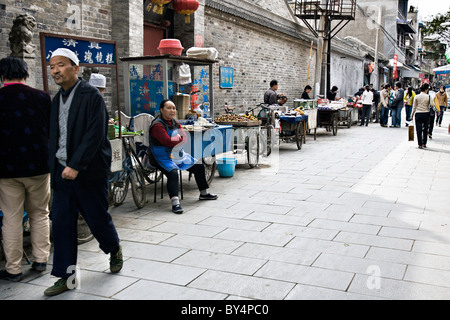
x=442, y=70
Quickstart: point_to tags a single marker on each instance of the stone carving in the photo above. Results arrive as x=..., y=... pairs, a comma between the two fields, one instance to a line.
x=21, y=36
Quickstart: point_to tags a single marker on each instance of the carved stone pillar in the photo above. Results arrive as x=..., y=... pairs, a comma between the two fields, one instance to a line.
x=20, y=42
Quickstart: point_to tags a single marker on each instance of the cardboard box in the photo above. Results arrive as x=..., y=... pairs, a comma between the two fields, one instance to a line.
x=182, y=103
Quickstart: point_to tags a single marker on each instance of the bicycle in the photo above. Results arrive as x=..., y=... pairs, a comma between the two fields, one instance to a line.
x=132, y=173
x=267, y=117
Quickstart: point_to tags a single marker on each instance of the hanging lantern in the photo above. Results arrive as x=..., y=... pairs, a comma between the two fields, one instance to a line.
x=160, y=4
x=186, y=7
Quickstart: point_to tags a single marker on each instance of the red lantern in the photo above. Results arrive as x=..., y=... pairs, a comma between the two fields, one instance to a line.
x=160, y=4
x=185, y=7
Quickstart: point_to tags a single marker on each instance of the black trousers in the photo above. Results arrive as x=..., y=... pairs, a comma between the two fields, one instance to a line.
x=90, y=198
x=422, y=121
x=198, y=170
x=366, y=110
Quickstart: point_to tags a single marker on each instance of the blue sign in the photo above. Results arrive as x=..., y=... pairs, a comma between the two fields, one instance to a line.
x=146, y=95
x=226, y=77
x=87, y=51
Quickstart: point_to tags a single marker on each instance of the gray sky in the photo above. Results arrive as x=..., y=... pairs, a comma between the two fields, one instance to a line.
x=429, y=8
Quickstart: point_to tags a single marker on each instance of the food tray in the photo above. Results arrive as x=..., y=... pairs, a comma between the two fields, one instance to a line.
x=241, y=123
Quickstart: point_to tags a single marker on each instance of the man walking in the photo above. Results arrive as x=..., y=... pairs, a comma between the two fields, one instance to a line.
x=80, y=160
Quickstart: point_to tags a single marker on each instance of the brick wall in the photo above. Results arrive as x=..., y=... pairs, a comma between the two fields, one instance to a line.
x=257, y=56
x=85, y=18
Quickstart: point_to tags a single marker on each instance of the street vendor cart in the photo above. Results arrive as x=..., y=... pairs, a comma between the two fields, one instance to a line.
x=328, y=118
x=328, y=115
x=151, y=79
x=246, y=136
x=309, y=107
x=206, y=143
x=293, y=128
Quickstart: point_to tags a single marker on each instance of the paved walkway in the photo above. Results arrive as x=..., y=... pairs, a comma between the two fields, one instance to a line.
x=361, y=215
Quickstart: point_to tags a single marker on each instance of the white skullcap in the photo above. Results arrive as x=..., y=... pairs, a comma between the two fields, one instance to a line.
x=98, y=80
x=66, y=53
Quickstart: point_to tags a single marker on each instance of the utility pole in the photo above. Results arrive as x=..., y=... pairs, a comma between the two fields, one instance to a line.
x=376, y=70
x=322, y=13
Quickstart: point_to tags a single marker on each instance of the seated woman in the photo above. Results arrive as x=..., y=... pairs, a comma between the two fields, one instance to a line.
x=165, y=153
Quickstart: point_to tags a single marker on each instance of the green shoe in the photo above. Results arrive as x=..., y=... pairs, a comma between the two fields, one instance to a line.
x=116, y=261
x=59, y=287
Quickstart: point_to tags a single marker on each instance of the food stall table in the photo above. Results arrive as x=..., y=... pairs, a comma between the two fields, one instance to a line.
x=206, y=143
x=246, y=139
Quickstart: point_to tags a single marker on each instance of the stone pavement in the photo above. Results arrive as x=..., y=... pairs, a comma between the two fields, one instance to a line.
x=361, y=215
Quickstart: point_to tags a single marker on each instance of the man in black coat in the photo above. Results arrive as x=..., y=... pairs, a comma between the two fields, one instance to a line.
x=80, y=161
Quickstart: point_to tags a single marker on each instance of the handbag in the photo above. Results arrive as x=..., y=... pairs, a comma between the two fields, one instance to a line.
x=432, y=108
x=410, y=132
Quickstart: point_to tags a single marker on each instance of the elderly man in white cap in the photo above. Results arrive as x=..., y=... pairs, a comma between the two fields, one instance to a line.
x=80, y=161
x=99, y=81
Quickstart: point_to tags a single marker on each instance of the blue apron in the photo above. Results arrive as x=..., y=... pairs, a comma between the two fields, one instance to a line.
x=172, y=158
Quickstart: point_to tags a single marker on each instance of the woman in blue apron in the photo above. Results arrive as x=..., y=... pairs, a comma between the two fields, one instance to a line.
x=166, y=153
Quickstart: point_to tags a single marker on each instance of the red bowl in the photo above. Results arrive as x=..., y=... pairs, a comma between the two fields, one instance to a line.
x=170, y=46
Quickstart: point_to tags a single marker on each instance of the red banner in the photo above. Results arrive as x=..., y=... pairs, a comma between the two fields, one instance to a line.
x=395, y=75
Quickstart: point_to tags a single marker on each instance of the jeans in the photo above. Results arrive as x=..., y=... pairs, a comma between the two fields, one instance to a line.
x=422, y=121
x=396, y=116
x=431, y=124
x=408, y=110
x=384, y=116
x=441, y=115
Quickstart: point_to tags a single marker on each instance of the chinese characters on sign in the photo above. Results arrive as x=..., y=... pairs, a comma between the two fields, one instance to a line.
x=226, y=77
x=146, y=88
x=395, y=74
x=88, y=52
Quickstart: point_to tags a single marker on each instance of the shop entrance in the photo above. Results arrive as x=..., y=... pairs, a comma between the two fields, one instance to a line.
x=152, y=36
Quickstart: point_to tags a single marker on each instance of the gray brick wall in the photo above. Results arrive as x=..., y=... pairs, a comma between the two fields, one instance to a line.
x=257, y=56
x=61, y=17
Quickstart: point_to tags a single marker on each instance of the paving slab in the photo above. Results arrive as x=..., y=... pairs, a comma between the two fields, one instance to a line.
x=361, y=215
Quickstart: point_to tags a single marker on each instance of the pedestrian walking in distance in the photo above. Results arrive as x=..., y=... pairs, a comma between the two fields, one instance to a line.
x=24, y=171
x=421, y=114
x=80, y=162
x=367, y=99
x=441, y=99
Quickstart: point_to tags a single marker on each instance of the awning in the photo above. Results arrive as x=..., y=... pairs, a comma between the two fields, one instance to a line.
x=414, y=67
x=442, y=70
x=400, y=65
x=411, y=73
x=405, y=26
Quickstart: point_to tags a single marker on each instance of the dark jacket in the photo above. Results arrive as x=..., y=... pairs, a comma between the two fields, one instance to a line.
x=305, y=96
x=88, y=147
x=270, y=97
x=398, y=100
x=24, y=120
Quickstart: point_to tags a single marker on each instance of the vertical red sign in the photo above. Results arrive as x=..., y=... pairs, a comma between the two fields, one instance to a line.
x=395, y=76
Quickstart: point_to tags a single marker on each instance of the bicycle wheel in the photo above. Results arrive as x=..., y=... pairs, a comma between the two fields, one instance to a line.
x=299, y=135
x=137, y=181
x=120, y=190
x=210, y=168
x=270, y=138
x=252, y=147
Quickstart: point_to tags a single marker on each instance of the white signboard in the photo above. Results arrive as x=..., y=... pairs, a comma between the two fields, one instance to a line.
x=116, y=160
